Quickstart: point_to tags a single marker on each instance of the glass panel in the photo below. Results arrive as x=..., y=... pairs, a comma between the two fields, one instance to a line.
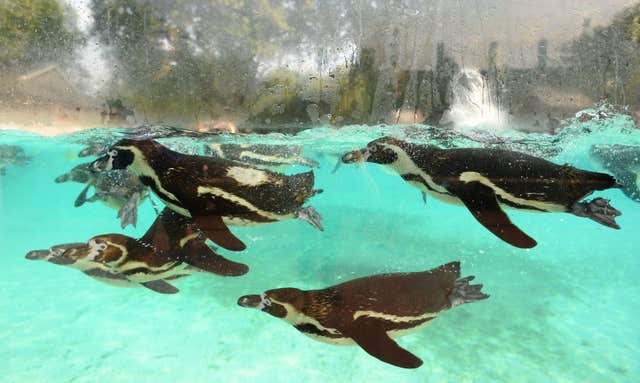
x=346, y=167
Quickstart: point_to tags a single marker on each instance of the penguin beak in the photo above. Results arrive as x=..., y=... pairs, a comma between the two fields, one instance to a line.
x=62, y=178
x=50, y=256
x=102, y=164
x=250, y=301
x=356, y=156
x=85, y=152
x=55, y=254
x=37, y=254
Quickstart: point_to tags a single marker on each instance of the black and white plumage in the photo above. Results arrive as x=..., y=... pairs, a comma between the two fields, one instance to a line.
x=484, y=179
x=172, y=248
x=260, y=155
x=371, y=311
x=118, y=189
x=214, y=192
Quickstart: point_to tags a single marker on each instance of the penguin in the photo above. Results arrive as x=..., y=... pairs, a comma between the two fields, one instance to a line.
x=484, y=179
x=624, y=162
x=118, y=189
x=261, y=156
x=155, y=131
x=214, y=192
x=12, y=155
x=371, y=311
x=172, y=248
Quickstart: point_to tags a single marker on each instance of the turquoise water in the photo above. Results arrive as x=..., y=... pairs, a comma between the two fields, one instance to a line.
x=565, y=311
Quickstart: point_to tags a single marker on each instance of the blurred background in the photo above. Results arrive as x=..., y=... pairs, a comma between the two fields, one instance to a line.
x=271, y=65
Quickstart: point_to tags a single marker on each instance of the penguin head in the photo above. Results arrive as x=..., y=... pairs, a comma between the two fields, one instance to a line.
x=124, y=153
x=378, y=151
x=278, y=302
x=66, y=254
x=82, y=173
x=116, y=158
x=78, y=255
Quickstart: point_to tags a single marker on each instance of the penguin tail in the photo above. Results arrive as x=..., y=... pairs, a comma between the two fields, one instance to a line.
x=447, y=274
x=303, y=182
x=463, y=292
x=603, y=181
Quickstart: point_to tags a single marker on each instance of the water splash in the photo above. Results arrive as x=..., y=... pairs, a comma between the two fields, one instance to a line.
x=473, y=106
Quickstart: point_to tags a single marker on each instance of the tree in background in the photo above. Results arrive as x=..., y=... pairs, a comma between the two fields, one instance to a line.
x=189, y=59
x=33, y=32
x=606, y=61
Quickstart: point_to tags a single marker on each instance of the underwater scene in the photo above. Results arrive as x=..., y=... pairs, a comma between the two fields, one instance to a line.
x=154, y=254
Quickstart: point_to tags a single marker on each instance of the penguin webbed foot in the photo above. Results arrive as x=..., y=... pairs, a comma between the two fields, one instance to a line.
x=310, y=214
x=128, y=213
x=599, y=210
x=463, y=292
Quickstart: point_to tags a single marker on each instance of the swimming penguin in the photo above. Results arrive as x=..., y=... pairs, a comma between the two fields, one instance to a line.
x=155, y=131
x=373, y=310
x=260, y=155
x=214, y=192
x=12, y=155
x=118, y=189
x=484, y=179
x=172, y=248
x=624, y=162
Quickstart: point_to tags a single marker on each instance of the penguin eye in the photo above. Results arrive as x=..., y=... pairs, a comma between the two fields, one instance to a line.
x=113, y=152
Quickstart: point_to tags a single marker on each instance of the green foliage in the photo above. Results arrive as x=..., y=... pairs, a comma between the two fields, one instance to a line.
x=169, y=66
x=629, y=21
x=605, y=60
x=357, y=90
x=34, y=31
x=279, y=98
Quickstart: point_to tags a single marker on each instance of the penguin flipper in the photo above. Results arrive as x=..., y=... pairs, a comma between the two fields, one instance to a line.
x=483, y=204
x=201, y=256
x=82, y=197
x=128, y=213
x=160, y=286
x=157, y=235
x=369, y=334
x=214, y=228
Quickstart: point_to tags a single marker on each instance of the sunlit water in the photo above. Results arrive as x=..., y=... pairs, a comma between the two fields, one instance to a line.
x=565, y=311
